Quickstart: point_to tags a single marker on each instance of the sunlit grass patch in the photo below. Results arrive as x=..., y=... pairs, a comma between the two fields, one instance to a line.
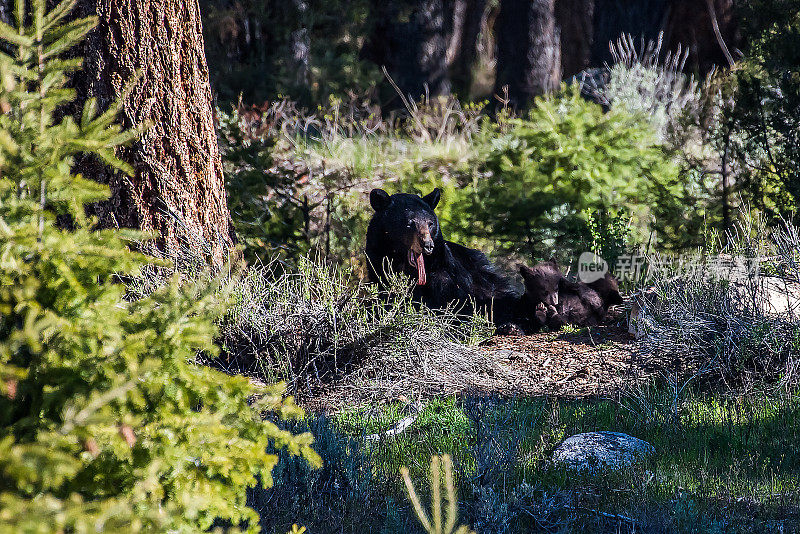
x=717, y=457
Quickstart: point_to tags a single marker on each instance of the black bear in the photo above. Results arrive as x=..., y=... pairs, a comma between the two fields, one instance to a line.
x=541, y=296
x=404, y=235
x=553, y=300
x=608, y=289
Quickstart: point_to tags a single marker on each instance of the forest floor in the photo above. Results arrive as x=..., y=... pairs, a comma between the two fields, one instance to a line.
x=724, y=462
x=573, y=363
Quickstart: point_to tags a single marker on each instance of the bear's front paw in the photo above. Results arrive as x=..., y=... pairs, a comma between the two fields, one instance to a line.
x=541, y=312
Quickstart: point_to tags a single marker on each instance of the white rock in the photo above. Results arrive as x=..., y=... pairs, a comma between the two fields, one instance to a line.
x=598, y=450
x=774, y=295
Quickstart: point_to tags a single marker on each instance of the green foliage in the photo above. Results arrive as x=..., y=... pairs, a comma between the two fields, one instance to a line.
x=610, y=235
x=265, y=207
x=767, y=109
x=564, y=158
x=105, y=421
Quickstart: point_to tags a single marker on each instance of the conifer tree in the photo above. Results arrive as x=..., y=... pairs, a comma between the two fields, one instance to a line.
x=106, y=424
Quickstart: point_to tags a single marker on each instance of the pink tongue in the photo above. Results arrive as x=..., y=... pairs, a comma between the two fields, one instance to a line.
x=422, y=279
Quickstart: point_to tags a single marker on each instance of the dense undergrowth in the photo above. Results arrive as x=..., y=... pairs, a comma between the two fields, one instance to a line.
x=527, y=187
x=109, y=421
x=644, y=177
x=724, y=427
x=319, y=326
x=734, y=310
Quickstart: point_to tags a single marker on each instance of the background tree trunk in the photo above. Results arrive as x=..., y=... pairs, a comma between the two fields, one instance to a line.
x=528, y=49
x=642, y=19
x=575, y=20
x=409, y=39
x=178, y=189
x=691, y=26
x=464, y=18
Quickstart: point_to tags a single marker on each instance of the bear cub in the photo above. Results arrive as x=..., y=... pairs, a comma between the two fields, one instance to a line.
x=553, y=301
x=404, y=235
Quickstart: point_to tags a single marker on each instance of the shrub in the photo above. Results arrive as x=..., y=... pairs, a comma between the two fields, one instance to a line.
x=688, y=117
x=265, y=204
x=609, y=235
x=724, y=319
x=767, y=108
x=105, y=421
x=641, y=84
x=566, y=157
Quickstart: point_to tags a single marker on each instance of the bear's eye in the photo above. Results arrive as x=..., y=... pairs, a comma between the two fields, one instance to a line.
x=431, y=225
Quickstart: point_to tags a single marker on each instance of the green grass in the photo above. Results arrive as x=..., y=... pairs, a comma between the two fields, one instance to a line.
x=723, y=463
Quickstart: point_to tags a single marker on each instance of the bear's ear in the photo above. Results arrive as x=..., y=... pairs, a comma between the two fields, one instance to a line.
x=432, y=198
x=379, y=199
x=525, y=271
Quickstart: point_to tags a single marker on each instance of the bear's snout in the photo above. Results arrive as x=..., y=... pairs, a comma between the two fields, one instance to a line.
x=424, y=237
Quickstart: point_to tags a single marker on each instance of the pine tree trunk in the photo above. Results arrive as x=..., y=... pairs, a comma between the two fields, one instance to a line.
x=576, y=20
x=178, y=189
x=528, y=50
x=409, y=40
x=642, y=19
x=464, y=17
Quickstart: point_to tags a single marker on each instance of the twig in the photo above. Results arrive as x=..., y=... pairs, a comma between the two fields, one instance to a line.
x=401, y=425
x=618, y=517
x=713, y=14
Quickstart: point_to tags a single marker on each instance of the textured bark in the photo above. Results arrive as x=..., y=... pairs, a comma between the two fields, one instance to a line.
x=575, y=19
x=409, y=39
x=178, y=188
x=528, y=49
x=464, y=17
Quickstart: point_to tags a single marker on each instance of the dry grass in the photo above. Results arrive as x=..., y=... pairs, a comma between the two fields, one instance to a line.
x=734, y=323
x=344, y=340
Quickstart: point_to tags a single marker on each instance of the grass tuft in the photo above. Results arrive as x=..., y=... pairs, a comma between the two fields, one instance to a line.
x=318, y=324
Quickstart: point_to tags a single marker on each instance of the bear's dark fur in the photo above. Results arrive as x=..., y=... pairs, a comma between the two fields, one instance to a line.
x=539, y=302
x=404, y=235
x=553, y=301
x=608, y=289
